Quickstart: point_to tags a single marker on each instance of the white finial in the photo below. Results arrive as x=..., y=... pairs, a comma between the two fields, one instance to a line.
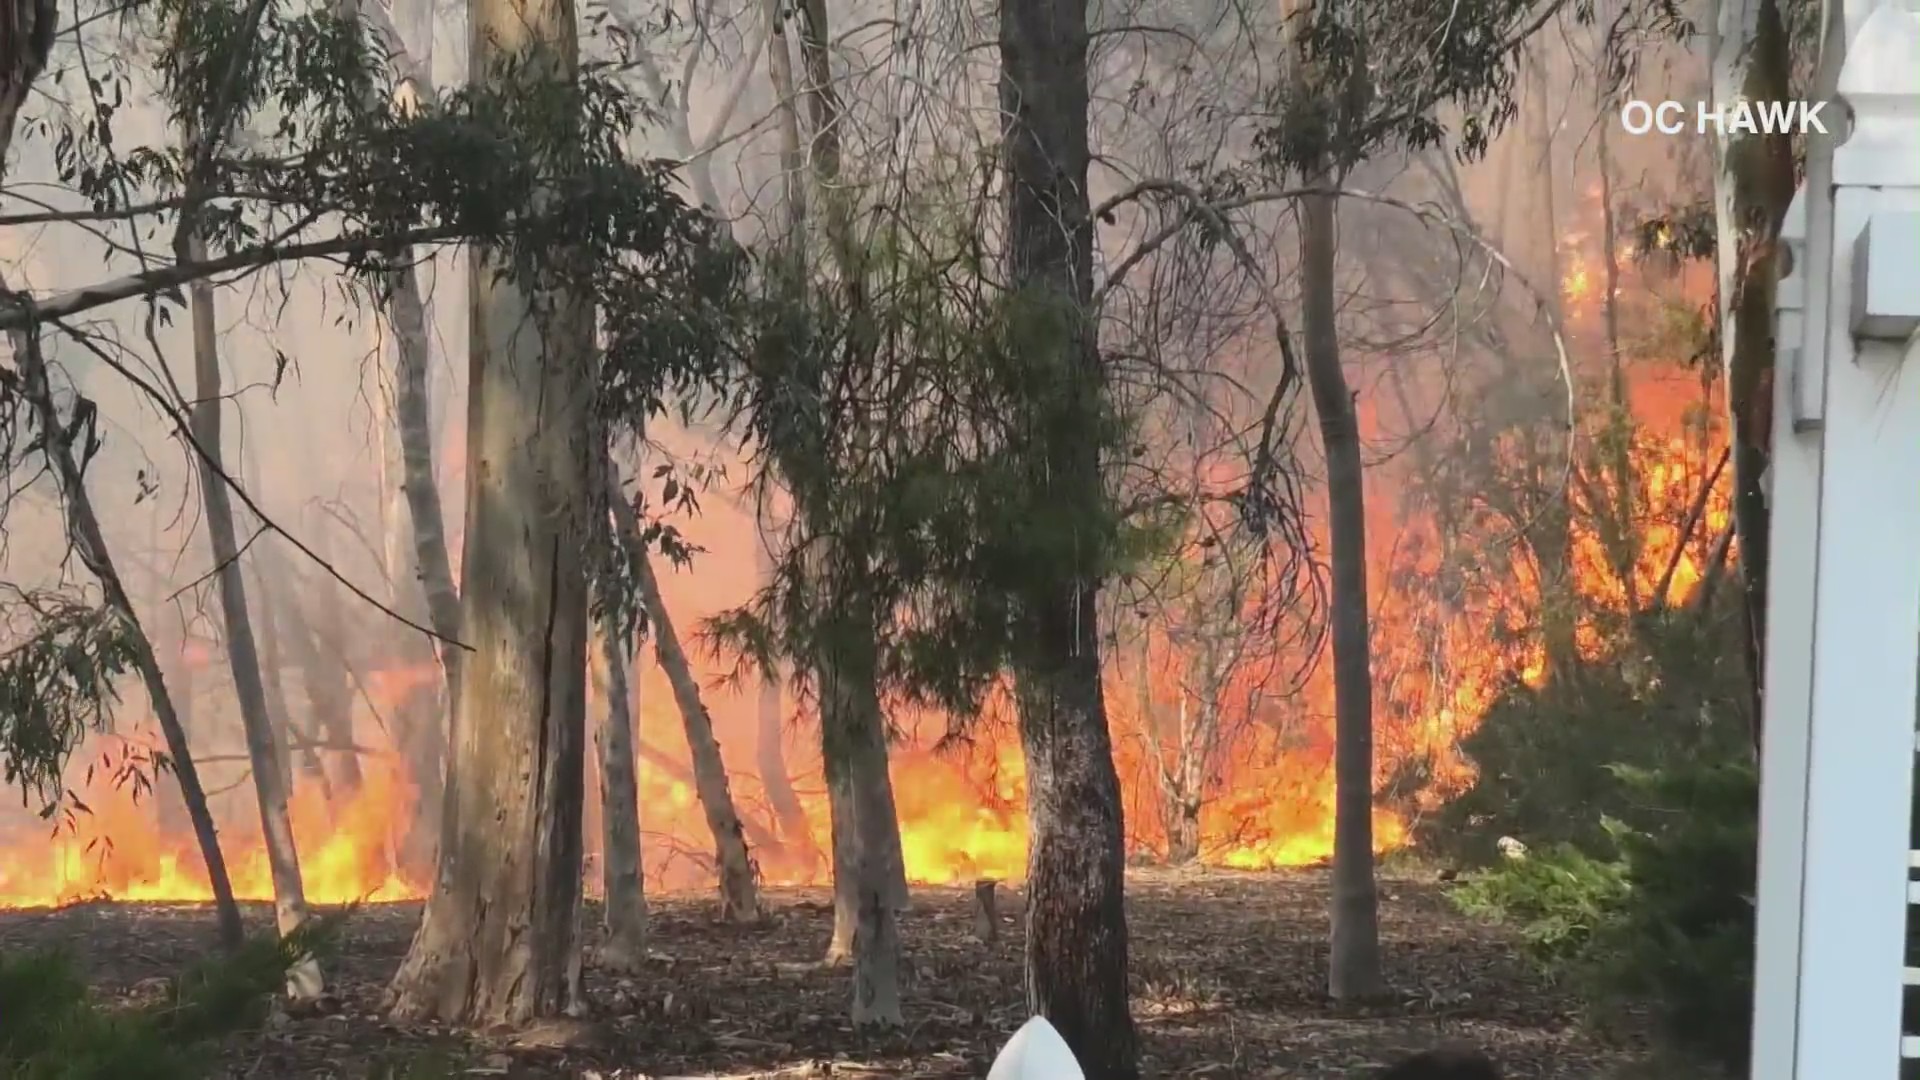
x=1036, y=1052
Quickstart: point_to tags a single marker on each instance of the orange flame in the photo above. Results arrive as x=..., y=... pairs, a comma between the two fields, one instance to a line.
x=1441, y=660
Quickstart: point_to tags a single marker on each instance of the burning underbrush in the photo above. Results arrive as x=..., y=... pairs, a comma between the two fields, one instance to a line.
x=1494, y=556
x=1264, y=782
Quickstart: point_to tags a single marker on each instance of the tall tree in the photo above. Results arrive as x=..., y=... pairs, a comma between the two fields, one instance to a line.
x=739, y=886
x=407, y=465
x=853, y=728
x=1753, y=181
x=1353, y=966
x=498, y=942
x=27, y=31
x=1076, y=867
x=622, y=873
x=267, y=761
x=1331, y=119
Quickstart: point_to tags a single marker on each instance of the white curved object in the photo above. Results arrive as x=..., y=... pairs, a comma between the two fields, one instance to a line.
x=1036, y=1052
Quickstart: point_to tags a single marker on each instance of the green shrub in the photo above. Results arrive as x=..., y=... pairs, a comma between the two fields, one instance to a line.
x=1673, y=695
x=52, y=1027
x=1662, y=924
x=1558, y=899
x=1683, y=942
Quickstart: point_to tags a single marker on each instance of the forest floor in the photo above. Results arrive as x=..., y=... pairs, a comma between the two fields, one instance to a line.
x=1228, y=969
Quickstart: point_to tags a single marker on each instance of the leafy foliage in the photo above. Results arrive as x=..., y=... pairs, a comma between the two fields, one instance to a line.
x=1560, y=898
x=1555, y=763
x=534, y=168
x=1633, y=784
x=908, y=429
x=1663, y=926
x=56, y=1030
x=56, y=687
x=1376, y=82
x=1684, y=939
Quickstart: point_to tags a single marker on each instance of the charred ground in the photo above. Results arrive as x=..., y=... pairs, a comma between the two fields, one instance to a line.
x=1228, y=980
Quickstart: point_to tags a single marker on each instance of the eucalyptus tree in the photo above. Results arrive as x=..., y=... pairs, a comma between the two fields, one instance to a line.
x=529, y=165
x=1452, y=70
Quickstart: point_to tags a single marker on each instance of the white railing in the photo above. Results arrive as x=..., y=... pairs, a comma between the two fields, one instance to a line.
x=1843, y=676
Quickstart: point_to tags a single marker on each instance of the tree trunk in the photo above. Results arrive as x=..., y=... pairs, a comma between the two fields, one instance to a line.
x=83, y=529
x=623, y=871
x=1354, y=966
x=1182, y=822
x=499, y=941
x=1076, y=866
x=1753, y=182
x=290, y=741
x=409, y=39
x=739, y=891
x=864, y=903
x=263, y=745
x=862, y=729
x=1550, y=534
x=769, y=743
x=176, y=676
x=867, y=875
x=30, y=26
x=329, y=695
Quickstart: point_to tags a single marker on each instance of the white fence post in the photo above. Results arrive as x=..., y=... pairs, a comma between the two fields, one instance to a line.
x=1793, y=494
x=1866, y=611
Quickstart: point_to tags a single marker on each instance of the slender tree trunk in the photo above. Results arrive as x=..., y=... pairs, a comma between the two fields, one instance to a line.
x=290, y=741
x=1182, y=785
x=1354, y=966
x=623, y=875
x=1551, y=535
x=499, y=941
x=83, y=529
x=176, y=676
x=263, y=745
x=409, y=39
x=868, y=878
x=1753, y=182
x=1076, y=866
x=769, y=742
x=739, y=890
x=850, y=719
x=329, y=695
x=864, y=726
x=1623, y=531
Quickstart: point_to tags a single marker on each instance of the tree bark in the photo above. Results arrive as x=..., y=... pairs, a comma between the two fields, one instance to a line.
x=83, y=529
x=866, y=834
x=263, y=744
x=623, y=874
x=739, y=889
x=854, y=709
x=1753, y=182
x=265, y=608
x=1076, y=961
x=1354, y=964
x=499, y=941
x=769, y=744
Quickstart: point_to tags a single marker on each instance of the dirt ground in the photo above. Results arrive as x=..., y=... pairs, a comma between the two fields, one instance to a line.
x=1228, y=982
